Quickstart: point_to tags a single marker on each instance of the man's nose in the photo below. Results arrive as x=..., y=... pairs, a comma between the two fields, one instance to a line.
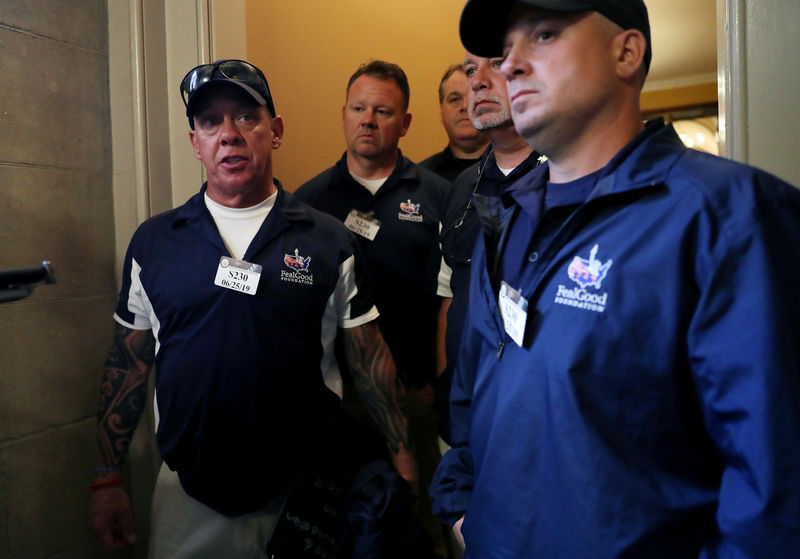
x=478, y=80
x=368, y=119
x=514, y=63
x=229, y=132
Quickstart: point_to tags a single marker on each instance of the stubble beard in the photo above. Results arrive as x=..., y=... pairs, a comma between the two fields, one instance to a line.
x=490, y=121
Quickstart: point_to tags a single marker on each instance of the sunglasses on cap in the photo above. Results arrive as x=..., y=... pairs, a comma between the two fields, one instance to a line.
x=238, y=72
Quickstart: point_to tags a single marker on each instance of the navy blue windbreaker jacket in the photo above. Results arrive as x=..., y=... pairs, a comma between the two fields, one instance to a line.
x=653, y=410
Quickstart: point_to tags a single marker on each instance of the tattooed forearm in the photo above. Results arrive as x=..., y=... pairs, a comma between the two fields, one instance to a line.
x=376, y=380
x=123, y=392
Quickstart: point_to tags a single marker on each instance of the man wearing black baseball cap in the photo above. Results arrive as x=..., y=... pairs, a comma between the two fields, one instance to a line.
x=483, y=24
x=627, y=384
x=235, y=298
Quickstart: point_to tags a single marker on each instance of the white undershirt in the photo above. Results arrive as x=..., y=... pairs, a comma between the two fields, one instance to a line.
x=370, y=184
x=505, y=171
x=238, y=226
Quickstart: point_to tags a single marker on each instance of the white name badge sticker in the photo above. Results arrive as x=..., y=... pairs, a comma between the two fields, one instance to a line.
x=238, y=275
x=362, y=224
x=514, y=310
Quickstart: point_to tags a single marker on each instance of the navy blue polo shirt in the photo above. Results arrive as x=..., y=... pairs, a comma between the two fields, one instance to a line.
x=240, y=386
x=446, y=164
x=460, y=231
x=404, y=258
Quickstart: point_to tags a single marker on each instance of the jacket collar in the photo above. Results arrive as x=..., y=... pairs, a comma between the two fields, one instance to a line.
x=644, y=162
x=488, y=160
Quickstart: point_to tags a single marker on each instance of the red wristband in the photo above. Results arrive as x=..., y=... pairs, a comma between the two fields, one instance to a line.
x=110, y=481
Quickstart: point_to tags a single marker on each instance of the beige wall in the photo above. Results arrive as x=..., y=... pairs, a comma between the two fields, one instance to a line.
x=55, y=203
x=309, y=48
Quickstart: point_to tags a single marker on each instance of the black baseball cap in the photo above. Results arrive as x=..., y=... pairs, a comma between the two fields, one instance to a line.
x=484, y=22
x=240, y=73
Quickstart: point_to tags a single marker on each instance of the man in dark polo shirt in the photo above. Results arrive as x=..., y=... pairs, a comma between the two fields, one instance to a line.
x=235, y=299
x=395, y=208
x=507, y=158
x=465, y=143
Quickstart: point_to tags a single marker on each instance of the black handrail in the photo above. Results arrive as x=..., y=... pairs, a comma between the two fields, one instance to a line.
x=18, y=284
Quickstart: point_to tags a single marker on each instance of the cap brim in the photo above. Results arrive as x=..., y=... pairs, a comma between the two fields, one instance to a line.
x=483, y=22
x=483, y=26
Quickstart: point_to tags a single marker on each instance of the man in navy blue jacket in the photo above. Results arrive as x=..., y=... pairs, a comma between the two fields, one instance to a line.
x=628, y=384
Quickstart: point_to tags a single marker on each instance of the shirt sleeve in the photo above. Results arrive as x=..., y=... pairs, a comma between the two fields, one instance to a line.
x=445, y=273
x=354, y=302
x=744, y=347
x=133, y=309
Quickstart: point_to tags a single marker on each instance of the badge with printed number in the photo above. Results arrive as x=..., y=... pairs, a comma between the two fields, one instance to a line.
x=362, y=224
x=238, y=275
x=514, y=309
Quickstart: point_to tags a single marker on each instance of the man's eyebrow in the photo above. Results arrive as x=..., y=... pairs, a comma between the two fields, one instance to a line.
x=468, y=61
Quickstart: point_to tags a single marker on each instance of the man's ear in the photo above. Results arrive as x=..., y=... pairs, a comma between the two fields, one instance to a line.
x=277, y=131
x=406, y=124
x=195, y=143
x=631, y=46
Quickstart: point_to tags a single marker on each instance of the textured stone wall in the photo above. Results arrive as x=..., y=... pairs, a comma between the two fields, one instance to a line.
x=55, y=204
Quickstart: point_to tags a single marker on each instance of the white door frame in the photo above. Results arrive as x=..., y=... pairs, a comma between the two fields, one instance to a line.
x=732, y=79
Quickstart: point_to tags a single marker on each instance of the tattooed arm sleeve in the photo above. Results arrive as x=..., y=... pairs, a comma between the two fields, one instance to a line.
x=380, y=390
x=123, y=392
